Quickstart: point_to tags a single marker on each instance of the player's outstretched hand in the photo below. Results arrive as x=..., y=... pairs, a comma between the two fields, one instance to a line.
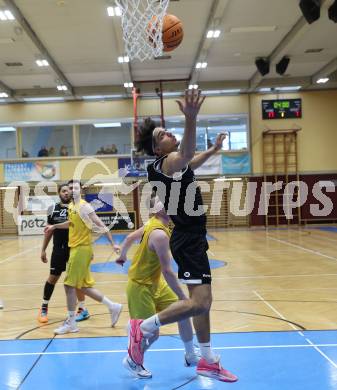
x=44, y=257
x=121, y=260
x=191, y=104
x=219, y=141
x=116, y=248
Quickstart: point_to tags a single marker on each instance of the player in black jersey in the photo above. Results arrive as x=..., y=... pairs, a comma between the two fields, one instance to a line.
x=172, y=176
x=60, y=255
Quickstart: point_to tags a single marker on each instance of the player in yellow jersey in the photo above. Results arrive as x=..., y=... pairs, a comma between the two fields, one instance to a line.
x=82, y=219
x=152, y=285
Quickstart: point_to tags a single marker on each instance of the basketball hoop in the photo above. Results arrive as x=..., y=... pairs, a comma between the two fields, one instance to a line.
x=142, y=22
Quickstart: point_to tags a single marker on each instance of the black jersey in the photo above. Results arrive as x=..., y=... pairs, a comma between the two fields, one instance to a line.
x=182, y=197
x=58, y=215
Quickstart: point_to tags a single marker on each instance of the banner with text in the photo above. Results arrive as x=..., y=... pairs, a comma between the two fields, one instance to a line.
x=31, y=224
x=32, y=171
x=136, y=168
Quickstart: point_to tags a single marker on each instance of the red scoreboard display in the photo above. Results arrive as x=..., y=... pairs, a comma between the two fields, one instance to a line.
x=282, y=109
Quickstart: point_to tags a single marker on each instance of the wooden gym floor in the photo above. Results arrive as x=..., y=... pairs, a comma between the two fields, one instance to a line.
x=276, y=280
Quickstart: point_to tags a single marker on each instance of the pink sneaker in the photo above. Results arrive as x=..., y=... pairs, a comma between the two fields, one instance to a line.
x=215, y=371
x=136, y=342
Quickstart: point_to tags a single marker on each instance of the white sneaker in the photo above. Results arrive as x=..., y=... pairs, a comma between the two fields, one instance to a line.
x=115, y=312
x=67, y=327
x=192, y=359
x=137, y=370
x=1, y=304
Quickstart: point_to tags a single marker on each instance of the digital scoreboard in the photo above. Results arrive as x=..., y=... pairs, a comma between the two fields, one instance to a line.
x=282, y=109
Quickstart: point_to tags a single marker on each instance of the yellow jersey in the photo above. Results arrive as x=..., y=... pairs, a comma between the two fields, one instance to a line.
x=145, y=265
x=80, y=223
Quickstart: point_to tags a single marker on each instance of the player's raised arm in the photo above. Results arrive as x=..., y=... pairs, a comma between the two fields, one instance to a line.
x=190, y=107
x=198, y=160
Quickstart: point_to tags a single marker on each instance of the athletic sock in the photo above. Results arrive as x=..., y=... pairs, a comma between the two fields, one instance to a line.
x=81, y=305
x=71, y=317
x=150, y=325
x=48, y=291
x=207, y=353
x=189, y=347
x=106, y=301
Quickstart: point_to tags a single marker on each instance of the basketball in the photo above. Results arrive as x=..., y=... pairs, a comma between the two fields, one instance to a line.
x=173, y=32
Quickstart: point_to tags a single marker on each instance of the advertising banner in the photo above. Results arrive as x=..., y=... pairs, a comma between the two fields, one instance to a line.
x=32, y=171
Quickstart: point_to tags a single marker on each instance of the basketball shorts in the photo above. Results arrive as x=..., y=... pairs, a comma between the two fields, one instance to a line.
x=78, y=267
x=189, y=251
x=146, y=300
x=58, y=261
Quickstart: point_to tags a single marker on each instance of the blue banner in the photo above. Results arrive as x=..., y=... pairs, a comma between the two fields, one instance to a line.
x=32, y=171
x=236, y=164
x=135, y=169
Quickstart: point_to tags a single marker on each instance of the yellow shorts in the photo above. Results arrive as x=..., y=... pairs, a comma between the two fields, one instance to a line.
x=78, y=267
x=144, y=301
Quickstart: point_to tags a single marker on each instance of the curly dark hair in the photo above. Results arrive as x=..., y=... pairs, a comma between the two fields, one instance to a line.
x=144, y=141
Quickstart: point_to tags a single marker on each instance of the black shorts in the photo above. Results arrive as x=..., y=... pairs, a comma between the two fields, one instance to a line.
x=58, y=261
x=189, y=251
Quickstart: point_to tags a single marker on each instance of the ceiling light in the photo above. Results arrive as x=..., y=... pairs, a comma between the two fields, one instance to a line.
x=193, y=86
x=323, y=80
x=101, y=97
x=8, y=128
x=9, y=188
x=121, y=59
x=221, y=92
x=6, y=15
x=3, y=95
x=201, y=65
x=265, y=90
x=42, y=62
x=114, y=11
x=43, y=99
x=291, y=88
x=128, y=85
x=112, y=124
x=9, y=15
x=213, y=33
x=62, y=88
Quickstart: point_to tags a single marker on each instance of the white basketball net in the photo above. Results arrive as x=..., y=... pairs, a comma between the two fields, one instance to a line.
x=142, y=22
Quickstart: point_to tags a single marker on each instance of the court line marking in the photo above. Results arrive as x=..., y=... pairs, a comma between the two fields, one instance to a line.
x=321, y=352
x=273, y=309
x=302, y=247
x=310, y=345
x=315, y=346
x=10, y=258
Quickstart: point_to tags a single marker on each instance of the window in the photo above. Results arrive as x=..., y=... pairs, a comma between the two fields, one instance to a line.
x=8, y=144
x=209, y=127
x=105, y=140
x=47, y=141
